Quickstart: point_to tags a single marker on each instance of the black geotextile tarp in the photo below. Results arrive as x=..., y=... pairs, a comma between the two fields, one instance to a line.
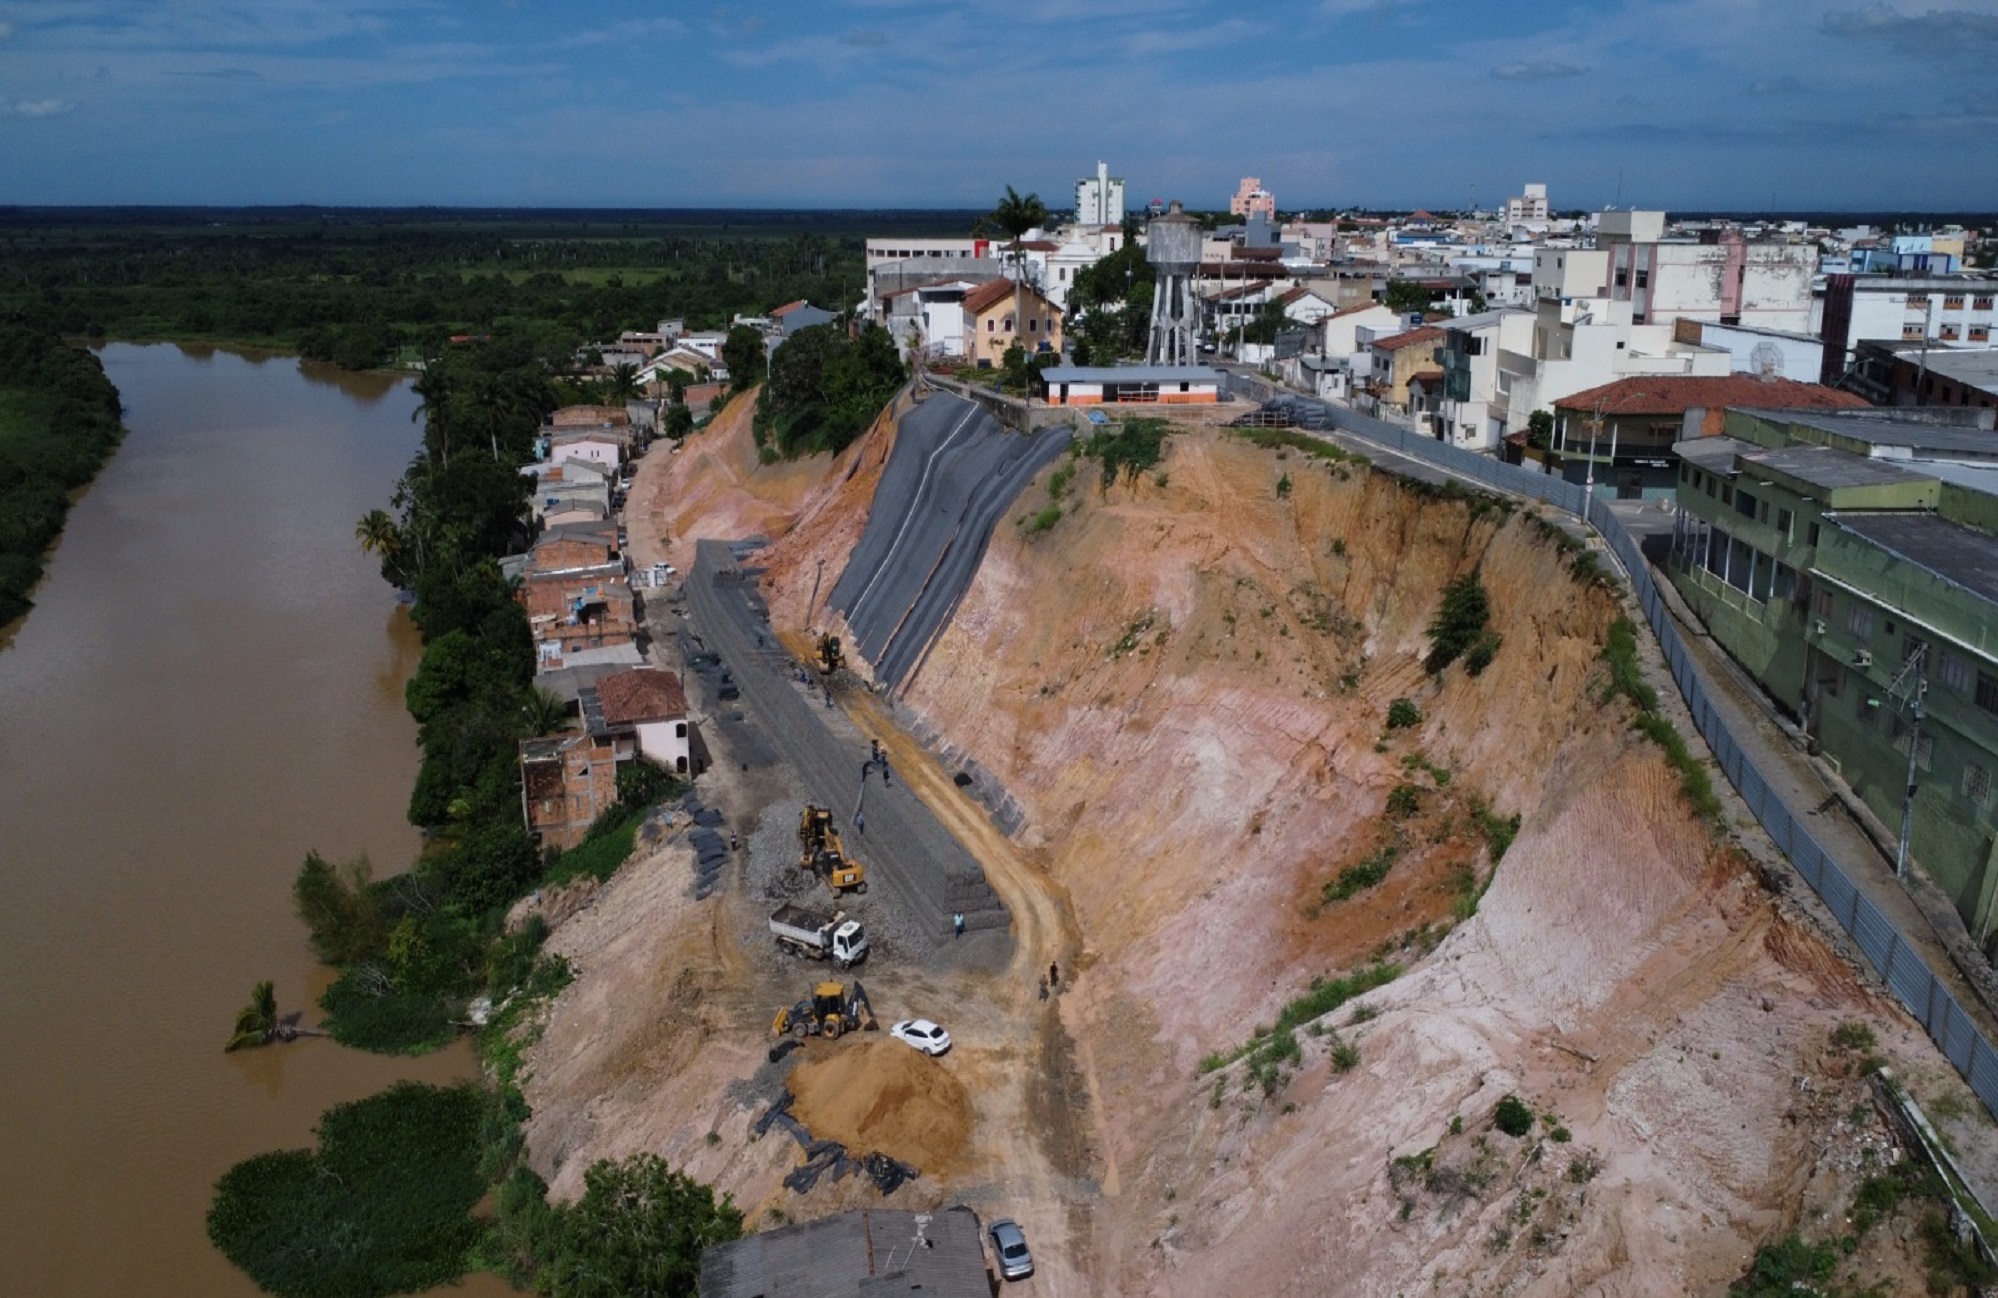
x=954, y=473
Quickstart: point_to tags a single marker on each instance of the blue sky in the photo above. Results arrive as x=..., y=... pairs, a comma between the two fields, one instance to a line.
x=931, y=103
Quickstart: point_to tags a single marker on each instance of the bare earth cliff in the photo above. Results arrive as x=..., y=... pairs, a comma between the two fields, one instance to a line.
x=1184, y=684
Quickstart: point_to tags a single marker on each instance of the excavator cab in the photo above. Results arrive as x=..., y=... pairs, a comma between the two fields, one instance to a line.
x=830, y=656
x=822, y=852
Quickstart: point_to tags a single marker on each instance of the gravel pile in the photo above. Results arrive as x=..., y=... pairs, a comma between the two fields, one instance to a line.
x=772, y=878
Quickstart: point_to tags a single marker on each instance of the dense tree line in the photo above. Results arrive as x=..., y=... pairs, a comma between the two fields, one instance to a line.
x=1110, y=305
x=355, y=294
x=824, y=389
x=59, y=423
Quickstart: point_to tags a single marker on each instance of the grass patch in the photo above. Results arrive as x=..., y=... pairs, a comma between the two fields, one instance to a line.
x=1402, y=714
x=1136, y=447
x=1361, y=875
x=602, y=850
x=1513, y=1117
x=1325, y=996
x=1042, y=520
x=1626, y=679
x=1282, y=439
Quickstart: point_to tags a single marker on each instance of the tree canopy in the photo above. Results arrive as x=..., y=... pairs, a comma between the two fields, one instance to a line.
x=825, y=389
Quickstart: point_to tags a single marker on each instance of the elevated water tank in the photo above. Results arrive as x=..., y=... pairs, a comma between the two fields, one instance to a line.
x=1172, y=242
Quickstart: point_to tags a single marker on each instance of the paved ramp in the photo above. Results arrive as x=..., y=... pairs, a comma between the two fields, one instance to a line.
x=954, y=474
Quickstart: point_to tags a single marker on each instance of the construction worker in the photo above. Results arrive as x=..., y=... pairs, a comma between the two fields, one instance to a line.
x=1054, y=975
x=957, y=922
x=859, y=822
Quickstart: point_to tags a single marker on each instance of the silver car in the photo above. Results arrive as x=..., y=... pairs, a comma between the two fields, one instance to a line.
x=1010, y=1243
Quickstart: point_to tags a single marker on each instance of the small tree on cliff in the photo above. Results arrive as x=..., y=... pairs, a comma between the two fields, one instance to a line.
x=1459, y=623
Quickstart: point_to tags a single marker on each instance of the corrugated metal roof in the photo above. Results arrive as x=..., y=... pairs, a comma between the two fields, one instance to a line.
x=1962, y=556
x=1828, y=467
x=1130, y=374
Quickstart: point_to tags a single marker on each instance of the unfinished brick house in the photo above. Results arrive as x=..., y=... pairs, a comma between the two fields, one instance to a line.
x=566, y=782
x=576, y=594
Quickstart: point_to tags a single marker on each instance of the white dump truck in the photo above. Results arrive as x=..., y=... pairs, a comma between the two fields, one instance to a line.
x=819, y=936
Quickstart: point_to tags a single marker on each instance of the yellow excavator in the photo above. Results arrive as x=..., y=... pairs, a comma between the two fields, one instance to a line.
x=829, y=655
x=821, y=851
x=830, y=1010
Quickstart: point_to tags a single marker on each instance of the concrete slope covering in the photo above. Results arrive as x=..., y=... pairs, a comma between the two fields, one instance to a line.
x=953, y=474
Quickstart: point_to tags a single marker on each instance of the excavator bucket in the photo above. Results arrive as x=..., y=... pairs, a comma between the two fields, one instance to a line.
x=861, y=1010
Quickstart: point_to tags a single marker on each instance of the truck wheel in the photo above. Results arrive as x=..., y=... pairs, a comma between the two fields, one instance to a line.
x=801, y=1029
x=832, y=1029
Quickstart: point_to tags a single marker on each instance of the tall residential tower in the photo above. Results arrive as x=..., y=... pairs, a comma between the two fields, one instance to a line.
x=1099, y=199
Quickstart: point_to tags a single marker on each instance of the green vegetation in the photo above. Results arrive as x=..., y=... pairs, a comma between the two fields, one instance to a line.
x=638, y=1229
x=1402, y=714
x=1459, y=625
x=1361, y=875
x=58, y=425
x=257, y=1021
x=602, y=850
x=1499, y=831
x=1626, y=678
x=1513, y=1117
x=1279, y=439
x=1283, y=486
x=354, y=288
x=1134, y=447
x=1403, y=801
x=1110, y=305
x=1041, y=520
x=824, y=389
x=1325, y=996
x=383, y=1206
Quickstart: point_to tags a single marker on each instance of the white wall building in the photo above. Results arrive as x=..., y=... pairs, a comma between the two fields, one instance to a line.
x=1528, y=208
x=1472, y=413
x=1099, y=199
x=1720, y=277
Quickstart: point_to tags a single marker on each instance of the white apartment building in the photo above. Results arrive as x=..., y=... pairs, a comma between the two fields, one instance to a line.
x=1584, y=337
x=1720, y=277
x=905, y=249
x=1099, y=199
x=1472, y=413
x=1528, y=208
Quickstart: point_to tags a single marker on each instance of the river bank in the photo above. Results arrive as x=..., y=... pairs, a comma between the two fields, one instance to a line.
x=209, y=686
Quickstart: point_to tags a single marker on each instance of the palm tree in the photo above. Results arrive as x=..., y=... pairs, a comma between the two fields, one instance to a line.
x=378, y=534
x=434, y=387
x=544, y=712
x=1016, y=215
x=623, y=385
x=257, y=1022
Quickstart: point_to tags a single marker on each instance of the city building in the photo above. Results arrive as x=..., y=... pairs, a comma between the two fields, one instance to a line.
x=1250, y=198
x=1622, y=434
x=1862, y=594
x=1774, y=353
x=1720, y=276
x=566, y=782
x=1470, y=413
x=990, y=327
x=640, y=713
x=793, y=316
x=1922, y=374
x=1163, y=385
x=1853, y=309
x=1099, y=199
x=1528, y=208
x=1397, y=359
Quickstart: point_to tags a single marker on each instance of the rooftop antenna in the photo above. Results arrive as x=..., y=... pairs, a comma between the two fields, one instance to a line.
x=1619, y=188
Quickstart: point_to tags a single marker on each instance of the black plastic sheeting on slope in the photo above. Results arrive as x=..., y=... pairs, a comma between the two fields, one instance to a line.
x=954, y=474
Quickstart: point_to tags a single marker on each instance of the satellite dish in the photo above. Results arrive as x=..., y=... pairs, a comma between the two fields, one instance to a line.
x=1766, y=361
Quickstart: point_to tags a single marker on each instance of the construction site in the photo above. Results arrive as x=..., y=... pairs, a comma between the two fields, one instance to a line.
x=1270, y=960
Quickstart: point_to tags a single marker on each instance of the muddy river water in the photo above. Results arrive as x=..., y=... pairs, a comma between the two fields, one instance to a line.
x=209, y=685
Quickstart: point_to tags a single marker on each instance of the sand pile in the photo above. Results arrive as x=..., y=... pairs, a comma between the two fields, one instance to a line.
x=878, y=1094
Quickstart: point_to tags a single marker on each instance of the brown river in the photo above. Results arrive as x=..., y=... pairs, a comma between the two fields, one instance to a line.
x=210, y=684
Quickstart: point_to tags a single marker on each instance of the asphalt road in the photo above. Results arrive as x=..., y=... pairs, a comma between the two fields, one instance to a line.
x=910, y=857
x=954, y=473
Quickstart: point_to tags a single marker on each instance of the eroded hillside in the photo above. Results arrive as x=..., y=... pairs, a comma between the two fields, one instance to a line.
x=1185, y=683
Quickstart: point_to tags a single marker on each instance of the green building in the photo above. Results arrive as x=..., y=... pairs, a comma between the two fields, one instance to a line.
x=1859, y=586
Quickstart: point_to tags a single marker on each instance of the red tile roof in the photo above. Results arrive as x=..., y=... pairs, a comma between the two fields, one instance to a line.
x=990, y=294
x=642, y=694
x=1676, y=394
x=787, y=309
x=1426, y=334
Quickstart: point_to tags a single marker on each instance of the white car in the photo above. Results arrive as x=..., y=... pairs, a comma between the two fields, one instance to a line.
x=922, y=1034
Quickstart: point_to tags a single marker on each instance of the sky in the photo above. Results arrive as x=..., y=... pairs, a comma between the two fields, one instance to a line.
x=1679, y=104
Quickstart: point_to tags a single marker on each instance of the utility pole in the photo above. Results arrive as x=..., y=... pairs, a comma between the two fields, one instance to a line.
x=1909, y=686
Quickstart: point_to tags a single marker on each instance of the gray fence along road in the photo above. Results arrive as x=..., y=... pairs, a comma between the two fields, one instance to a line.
x=1901, y=966
x=908, y=854
x=954, y=473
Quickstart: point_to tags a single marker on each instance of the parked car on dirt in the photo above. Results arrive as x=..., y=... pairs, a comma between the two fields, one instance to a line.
x=1010, y=1243
x=922, y=1034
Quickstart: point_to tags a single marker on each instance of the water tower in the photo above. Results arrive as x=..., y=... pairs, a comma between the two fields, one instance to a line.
x=1172, y=246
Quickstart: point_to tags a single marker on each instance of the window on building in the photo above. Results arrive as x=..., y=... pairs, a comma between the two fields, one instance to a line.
x=1744, y=504
x=1762, y=511
x=1925, y=746
x=1910, y=646
x=1824, y=604
x=1980, y=333
x=1976, y=784
x=1727, y=493
x=992, y=326
x=1786, y=582
x=1987, y=691
x=1981, y=303
x=1948, y=333
x=1622, y=277
x=1643, y=278
x=1814, y=534
x=1952, y=301
x=1783, y=518
x=1918, y=301
x=1952, y=669
x=1859, y=621
x=1713, y=483
x=1911, y=332
x=1831, y=679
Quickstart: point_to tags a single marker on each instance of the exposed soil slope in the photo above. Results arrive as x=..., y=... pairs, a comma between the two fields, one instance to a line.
x=1184, y=684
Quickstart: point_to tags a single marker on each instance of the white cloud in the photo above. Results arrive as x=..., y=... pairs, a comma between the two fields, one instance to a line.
x=34, y=107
